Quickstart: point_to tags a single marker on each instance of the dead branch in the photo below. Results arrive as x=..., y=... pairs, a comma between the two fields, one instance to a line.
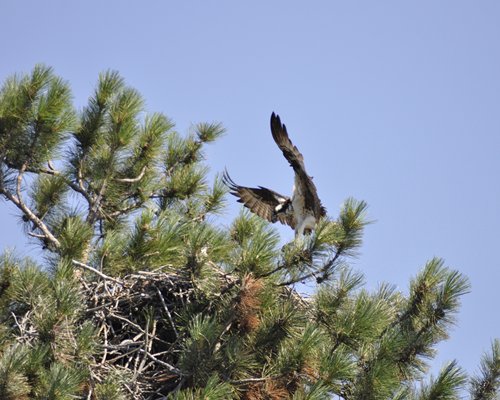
x=17, y=200
x=95, y=271
x=132, y=180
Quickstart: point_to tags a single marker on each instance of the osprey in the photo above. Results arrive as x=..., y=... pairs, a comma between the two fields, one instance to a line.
x=303, y=210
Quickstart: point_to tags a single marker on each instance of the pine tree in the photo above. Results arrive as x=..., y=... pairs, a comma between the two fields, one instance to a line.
x=143, y=295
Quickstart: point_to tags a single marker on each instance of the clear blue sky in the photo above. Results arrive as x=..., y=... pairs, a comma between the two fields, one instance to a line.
x=393, y=102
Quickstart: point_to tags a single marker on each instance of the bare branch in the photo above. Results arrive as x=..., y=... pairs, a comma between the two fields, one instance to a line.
x=17, y=200
x=36, y=235
x=80, y=178
x=163, y=363
x=125, y=210
x=95, y=204
x=249, y=380
x=132, y=180
x=51, y=171
x=95, y=271
x=168, y=312
x=129, y=322
x=19, y=182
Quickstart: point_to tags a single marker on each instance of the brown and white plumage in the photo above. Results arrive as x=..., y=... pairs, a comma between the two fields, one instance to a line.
x=261, y=201
x=303, y=210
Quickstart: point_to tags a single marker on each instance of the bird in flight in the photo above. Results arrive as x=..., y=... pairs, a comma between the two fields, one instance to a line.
x=302, y=210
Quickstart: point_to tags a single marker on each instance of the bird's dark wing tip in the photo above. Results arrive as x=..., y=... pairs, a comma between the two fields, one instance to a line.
x=275, y=121
x=277, y=128
x=226, y=180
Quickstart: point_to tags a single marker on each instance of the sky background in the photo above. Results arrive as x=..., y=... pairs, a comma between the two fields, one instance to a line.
x=395, y=103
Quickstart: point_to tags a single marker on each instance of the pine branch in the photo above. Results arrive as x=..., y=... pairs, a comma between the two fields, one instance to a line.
x=486, y=386
x=79, y=188
x=95, y=206
x=446, y=386
x=280, y=267
x=19, y=203
x=324, y=270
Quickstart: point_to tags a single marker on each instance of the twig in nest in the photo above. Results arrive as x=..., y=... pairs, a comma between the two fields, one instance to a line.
x=163, y=363
x=129, y=322
x=167, y=311
x=95, y=271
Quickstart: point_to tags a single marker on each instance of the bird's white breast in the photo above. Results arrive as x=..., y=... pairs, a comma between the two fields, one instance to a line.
x=304, y=218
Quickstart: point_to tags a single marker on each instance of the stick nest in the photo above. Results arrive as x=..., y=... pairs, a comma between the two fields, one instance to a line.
x=135, y=321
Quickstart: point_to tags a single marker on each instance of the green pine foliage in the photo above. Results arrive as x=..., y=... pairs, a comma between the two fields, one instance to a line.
x=487, y=384
x=144, y=294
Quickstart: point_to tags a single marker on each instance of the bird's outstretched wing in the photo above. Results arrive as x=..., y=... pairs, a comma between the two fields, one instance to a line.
x=260, y=200
x=290, y=151
x=296, y=160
